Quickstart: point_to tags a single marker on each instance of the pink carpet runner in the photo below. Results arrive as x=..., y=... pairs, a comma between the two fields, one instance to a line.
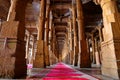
x=65, y=72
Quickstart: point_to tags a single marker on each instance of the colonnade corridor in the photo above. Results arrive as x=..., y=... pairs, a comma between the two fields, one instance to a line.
x=60, y=39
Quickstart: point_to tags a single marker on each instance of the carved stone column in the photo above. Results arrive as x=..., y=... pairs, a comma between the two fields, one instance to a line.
x=27, y=47
x=71, y=42
x=12, y=44
x=97, y=56
x=101, y=39
x=33, y=49
x=39, y=61
x=84, y=55
x=93, y=48
x=88, y=46
x=75, y=35
x=0, y=24
x=100, y=33
x=50, y=40
x=46, y=35
x=27, y=44
x=54, y=47
x=111, y=33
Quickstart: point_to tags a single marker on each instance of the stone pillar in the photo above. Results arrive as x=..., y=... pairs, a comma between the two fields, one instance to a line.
x=0, y=24
x=27, y=47
x=101, y=39
x=97, y=56
x=27, y=44
x=39, y=61
x=12, y=44
x=50, y=39
x=88, y=46
x=111, y=45
x=54, y=46
x=71, y=43
x=100, y=33
x=75, y=35
x=84, y=55
x=33, y=49
x=93, y=48
x=46, y=35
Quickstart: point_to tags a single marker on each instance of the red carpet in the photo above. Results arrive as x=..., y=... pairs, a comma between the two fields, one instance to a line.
x=64, y=72
x=65, y=79
x=61, y=71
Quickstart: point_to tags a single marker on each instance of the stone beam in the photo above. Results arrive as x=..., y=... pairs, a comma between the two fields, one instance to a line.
x=59, y=6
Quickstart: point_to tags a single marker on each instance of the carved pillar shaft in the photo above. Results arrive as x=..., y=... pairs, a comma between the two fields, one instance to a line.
x=50, y=40
x=100, y=33
x=12, y=35
x=97, y=53
x=39, y=61
x=93, y=48
x=111, y=45
x=27, y=45
x=0, y=24
x=33, y=50
x=75, y=35
x=54, y=46
x=84, y=57
x=46, y=35
x=70, y=41
x=42, y=19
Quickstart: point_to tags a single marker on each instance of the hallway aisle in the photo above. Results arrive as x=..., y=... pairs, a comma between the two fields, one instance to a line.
x=62, y=71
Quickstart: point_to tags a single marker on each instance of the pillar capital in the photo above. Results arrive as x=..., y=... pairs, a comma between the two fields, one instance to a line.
x=98, y=27
x=104, y=2
x=97, y=1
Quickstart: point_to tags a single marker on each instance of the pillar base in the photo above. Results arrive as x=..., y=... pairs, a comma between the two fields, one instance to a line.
x=76, y=56
x=50, y=53
x=12, y=59
x=20, y=61
x=47, y=62
x=110, y=55
x=71, y=57
x=113, y=73
x=39, y=61
x=97, y=58
x=84, y=55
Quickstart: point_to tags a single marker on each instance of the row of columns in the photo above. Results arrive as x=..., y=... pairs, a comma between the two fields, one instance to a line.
x=109, y=44
x=14, y=46
x=30, y=48
x=13, y=38
x=94, y=45
x=45, y=32
x=79, y=55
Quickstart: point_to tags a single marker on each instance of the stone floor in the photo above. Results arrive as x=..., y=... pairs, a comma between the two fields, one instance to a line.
x=95, y=72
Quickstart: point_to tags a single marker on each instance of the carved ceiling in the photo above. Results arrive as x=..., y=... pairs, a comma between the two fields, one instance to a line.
x=4, y=7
